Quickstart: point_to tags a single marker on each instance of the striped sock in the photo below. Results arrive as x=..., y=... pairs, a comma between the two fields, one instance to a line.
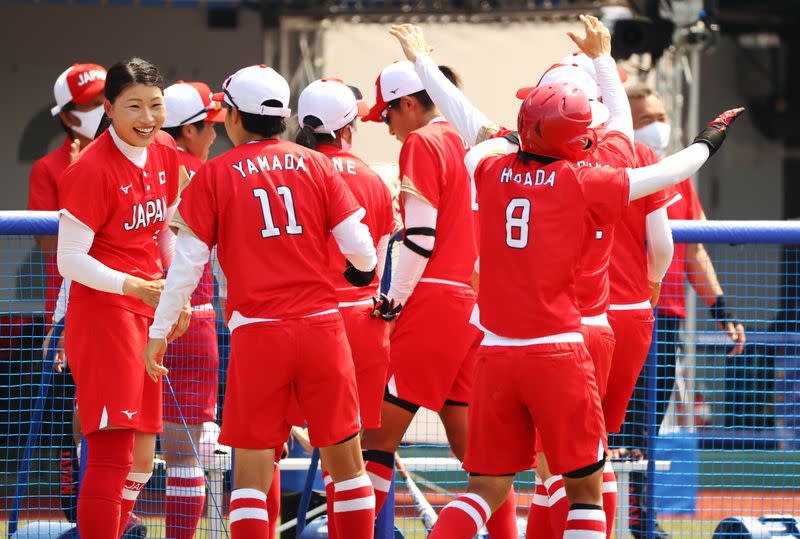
x=380, y=469
x=274, y=501
x=558, y=502
x=609, y=497
x=248, y=517
x=186, y=497
x=329, y=494
x=539, y=516
x=134, y=484
x=585, y=521
x=354, y=507
x=503, y=524
x=462, y=518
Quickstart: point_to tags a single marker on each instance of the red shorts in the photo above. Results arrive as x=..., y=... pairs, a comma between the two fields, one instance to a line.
x=549, y=387
x=600, y=343
x=369, y=342
x=105, y=345
x=633, y=331
x=433, y=347
x=193, y=363
x=271, y=361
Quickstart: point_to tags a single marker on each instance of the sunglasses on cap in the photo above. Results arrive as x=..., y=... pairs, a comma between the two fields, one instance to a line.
x=214, y=106
x=354, y=89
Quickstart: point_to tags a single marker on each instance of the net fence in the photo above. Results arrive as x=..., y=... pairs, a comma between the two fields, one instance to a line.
x=712, y=432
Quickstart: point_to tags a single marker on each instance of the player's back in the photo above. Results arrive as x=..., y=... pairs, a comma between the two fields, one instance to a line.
x=276, y=203
x=373, y=195
x=432, y=168
x=532, y=238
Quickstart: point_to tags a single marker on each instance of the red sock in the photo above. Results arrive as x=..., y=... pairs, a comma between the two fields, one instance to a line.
x=329, y=494
x=539, y=515
x=559, y=505
x=248, y=517
x=380, y=469
x=186, y=497
x=609, y=497
x=585, y=521
x=503, y=524
x=134, y=484
x=274, y=501
x=462, y=518
x=354, y=508
x=109, y=458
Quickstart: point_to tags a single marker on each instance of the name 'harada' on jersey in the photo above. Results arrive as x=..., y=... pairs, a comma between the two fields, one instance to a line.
x=541, y=177
x=265, y=163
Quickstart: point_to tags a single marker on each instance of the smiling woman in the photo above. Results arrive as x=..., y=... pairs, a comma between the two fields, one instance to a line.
x=114, y=201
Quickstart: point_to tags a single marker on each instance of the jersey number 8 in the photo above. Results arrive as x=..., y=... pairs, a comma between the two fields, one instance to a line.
x=270, y=230
x=518, y=215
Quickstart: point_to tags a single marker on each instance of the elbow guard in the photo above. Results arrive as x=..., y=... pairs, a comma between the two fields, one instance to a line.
x=419, y=231
x=357, y=277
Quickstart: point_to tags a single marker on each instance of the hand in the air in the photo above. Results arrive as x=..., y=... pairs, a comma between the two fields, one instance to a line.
x=598, y=39
x=713, y=135
x=411, y=39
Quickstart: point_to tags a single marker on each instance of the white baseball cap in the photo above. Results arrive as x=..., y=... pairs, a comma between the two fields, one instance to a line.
x=250, y=87
x=584, y=62
x=396, y=80
x=79, y=84
x=333, y=102
x=579, y=78
x=190, y=102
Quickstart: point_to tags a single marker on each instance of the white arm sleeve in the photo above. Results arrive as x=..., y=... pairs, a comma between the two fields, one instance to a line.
x=410, y=265
x=355, y=241
x=166, y=238
x=451, y=101
x=495, y=146
x=74, y=241
x=381, y=250
x=669, y=171
x=62, y=302
x=222, y=281
x=659, y=244
x=191, y=255
x=614, y=97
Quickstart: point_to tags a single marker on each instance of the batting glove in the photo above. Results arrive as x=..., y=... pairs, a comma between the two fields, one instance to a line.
x=384, y=307
x=713, y=135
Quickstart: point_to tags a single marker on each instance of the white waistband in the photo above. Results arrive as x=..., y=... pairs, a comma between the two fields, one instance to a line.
x=599, y=320
x=490, y=339
x=443, y=281
x=203, y=307
x=630, y=306
x=238, y=319
x=355, y=303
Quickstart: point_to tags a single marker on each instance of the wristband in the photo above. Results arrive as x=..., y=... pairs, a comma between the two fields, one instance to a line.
x=719, y=311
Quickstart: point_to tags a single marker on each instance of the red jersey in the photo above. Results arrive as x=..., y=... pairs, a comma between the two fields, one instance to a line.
x=43, y=196
x=672, y=300
x=612, y=150
x=530, y=245
x=628, y=269
x=373, y=195
x=432, y=168
x=204, y=293
x=269, y=206
x=125, y=206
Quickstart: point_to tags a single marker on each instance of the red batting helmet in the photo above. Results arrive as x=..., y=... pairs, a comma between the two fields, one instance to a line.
x=554, y=121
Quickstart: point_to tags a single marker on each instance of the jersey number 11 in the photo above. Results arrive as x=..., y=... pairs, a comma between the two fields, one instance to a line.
x=270, y=230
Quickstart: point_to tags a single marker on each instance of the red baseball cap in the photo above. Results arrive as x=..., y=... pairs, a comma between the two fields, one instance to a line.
x=396, y=80
x=189, y=102
x=79, y=84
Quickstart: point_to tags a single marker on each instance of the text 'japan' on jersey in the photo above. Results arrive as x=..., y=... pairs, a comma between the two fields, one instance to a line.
x=269, y=206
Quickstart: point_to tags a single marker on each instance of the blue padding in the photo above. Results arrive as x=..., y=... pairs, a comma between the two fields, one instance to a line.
x=736, y=232
x=28, y=222
x=675, y=490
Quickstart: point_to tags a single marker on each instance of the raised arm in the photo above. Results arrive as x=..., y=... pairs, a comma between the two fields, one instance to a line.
x=470, y=122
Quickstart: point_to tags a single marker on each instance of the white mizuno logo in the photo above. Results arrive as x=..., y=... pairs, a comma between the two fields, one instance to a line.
x=129, y=413
x=125, y=189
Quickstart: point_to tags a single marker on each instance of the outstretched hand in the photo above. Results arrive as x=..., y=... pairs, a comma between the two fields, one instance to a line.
x=713, y=135
x=726, y=118
x=411, y=39
x=598, y=39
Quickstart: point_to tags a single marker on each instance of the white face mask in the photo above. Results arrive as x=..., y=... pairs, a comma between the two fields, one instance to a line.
x=655, y=135
x=90, y=121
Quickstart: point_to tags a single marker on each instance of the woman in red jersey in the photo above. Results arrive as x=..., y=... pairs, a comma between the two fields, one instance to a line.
x=114, y=201
x=327, y=111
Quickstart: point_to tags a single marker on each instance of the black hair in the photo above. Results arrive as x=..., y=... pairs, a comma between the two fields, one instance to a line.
x=127, y=73
x=306, y=136
x=177, y=131
x=422, y=96
x=265, y=126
